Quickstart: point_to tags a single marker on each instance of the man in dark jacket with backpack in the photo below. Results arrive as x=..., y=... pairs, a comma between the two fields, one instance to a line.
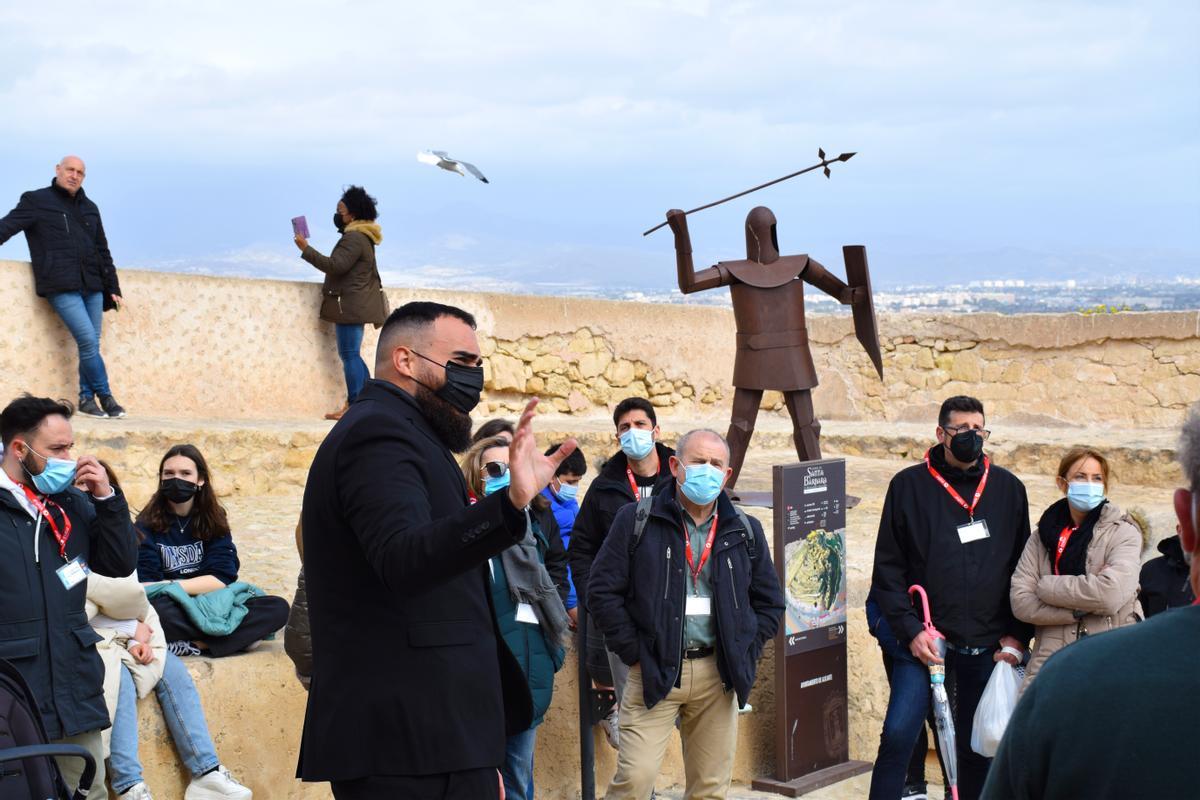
x=73, y=270
x=686, y=594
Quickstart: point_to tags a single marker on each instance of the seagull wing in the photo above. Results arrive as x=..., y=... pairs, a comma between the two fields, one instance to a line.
x=475, y=171
x=426, y=157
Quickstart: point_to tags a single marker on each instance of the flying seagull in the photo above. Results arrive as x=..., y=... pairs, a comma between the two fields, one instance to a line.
x=441, y=159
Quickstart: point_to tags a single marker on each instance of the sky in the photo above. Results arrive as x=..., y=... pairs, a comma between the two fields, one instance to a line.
x=993, y=140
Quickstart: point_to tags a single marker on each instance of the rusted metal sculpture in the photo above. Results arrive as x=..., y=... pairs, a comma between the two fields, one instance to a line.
x=772, y=340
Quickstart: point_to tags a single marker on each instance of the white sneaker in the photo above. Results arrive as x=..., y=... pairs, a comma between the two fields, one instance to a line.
x=139, y=791
x=216, y=785
x=611, y=727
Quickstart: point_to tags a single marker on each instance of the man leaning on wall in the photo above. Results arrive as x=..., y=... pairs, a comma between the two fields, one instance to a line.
x=73, y=269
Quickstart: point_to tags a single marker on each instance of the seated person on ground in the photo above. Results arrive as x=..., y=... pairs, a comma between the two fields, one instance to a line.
x=187, y=553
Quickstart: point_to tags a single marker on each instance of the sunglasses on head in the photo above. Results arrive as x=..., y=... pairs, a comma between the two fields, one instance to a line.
x=495, y=469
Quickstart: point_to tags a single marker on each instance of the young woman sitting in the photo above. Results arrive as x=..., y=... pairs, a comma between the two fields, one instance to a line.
x=186, y=542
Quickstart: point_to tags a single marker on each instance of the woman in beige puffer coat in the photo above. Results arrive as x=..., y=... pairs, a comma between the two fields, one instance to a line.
x=1078, y=575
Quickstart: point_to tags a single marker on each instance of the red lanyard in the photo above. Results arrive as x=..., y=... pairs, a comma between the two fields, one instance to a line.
x=633, y=484
x=987, y=466
x=60, y=536
x=704, y=554
x=1063, y=538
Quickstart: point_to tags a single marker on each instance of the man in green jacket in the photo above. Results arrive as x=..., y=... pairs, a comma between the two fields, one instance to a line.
x=1116, y=715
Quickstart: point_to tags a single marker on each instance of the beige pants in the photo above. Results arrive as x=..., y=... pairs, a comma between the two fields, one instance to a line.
x=72, y=768
x=708, y=727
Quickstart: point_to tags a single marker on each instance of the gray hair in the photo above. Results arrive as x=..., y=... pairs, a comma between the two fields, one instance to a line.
x=1189, y=448
x=682, y=445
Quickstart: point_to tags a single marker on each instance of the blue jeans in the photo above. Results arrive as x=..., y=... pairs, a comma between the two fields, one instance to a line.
x=879, y=628
x=908, y=706
x=349, y=343
x=517, y=769
x=83, y=315
x=185, y=719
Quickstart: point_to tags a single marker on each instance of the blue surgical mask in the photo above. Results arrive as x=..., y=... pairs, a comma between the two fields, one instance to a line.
x=567, y=491
x=702, y=483
x=637, y=443
x=56, y=477
x=491, y=484
x=1085, y=495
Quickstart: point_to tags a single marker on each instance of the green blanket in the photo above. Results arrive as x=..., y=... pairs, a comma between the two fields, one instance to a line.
x=216, y=613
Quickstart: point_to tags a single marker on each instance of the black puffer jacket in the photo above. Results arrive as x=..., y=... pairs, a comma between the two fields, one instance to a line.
x=67, y=244
x=44, y=630
x=1164, y=580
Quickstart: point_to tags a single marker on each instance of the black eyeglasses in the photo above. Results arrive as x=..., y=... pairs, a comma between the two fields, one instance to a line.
x=957, y=429
x=495, y=469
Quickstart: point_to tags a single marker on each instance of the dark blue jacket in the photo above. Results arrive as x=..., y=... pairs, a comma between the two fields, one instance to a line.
x=44, y=630
x=177, y=555
x=67, y=244
x=637, y=599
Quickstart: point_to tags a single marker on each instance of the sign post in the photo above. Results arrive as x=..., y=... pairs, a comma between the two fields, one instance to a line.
x=812, y=743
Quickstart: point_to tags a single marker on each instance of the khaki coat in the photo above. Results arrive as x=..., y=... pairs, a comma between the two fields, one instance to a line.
x=1106, y=596
x=352, y=293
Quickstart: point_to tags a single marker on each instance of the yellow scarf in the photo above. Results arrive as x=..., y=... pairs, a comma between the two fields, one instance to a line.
x=371, y=229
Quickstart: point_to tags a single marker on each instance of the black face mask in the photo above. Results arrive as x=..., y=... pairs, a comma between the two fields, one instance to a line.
x=177, y=490
x=337, y=222
x=462, y=387
x=966, y=446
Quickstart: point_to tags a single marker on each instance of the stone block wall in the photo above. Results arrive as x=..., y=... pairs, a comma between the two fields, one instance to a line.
x=228, y=348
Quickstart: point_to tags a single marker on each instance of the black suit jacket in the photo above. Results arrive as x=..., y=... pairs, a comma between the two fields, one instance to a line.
x=410, y=676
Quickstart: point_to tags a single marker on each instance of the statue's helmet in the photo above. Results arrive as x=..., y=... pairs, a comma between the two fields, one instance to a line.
x=762, y=243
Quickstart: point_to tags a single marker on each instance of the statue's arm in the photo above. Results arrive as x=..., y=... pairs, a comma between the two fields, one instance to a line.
x=690, y=280
x=830, y=284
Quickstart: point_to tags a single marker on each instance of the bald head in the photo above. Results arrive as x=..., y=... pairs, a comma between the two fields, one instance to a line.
x=69, y=173
x=701, y=439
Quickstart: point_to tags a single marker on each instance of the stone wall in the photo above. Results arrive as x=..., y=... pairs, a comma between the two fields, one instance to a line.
x=229, y=348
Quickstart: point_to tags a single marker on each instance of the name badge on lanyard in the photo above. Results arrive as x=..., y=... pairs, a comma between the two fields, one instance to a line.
x=973, y=531
x=73, y=573
x=698, y=606
x=526, y=614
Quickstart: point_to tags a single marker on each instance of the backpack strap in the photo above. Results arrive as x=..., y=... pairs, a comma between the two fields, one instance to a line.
x=751, y=545
x=639, y=521
x=642, y=514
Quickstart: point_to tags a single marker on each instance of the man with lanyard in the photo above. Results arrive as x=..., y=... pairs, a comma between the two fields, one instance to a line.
x=632, y=473
x=687, y=597
x=955, y=524
x=51, y=536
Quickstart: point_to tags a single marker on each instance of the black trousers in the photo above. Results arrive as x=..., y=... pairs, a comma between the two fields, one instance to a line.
x=266, y=616
x=475, y=784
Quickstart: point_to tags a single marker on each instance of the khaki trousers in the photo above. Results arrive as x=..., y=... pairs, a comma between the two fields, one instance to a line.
x=72, y=768
x=708, y=728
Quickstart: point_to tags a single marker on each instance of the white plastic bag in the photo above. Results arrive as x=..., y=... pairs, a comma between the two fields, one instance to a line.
x=995, y=707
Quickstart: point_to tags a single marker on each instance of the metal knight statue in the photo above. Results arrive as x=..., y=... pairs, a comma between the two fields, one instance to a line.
x=772, y=341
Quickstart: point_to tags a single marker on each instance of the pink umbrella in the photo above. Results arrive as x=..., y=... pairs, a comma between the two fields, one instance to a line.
x=942, y=716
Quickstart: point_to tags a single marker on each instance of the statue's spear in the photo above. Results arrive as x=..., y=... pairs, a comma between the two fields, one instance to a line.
x=825, y=162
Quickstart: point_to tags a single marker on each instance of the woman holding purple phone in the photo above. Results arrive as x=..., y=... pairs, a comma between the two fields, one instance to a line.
x=352, y=294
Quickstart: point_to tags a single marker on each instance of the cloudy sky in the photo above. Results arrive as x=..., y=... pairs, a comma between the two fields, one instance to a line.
x=1016, y=139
